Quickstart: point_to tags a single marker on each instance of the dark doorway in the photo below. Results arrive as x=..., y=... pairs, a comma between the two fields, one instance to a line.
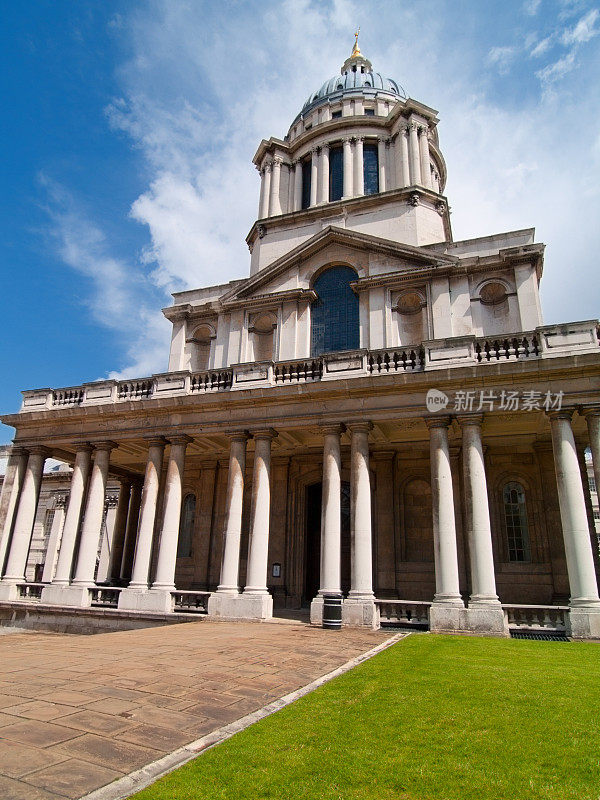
x=312, y=538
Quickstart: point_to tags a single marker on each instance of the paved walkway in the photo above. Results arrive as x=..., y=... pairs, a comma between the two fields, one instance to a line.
x=77, y=712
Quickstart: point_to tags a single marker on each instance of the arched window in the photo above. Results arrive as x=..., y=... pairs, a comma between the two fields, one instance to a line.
x=201, y=343
x=335, y=324
x=186, y=526
x=515, y=520
x=262, y=329
x=336, y=173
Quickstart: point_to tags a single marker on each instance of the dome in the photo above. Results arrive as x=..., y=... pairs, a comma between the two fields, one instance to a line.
x=356, y=76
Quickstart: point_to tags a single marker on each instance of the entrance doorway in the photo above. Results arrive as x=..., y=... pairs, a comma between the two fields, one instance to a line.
x=312, y=540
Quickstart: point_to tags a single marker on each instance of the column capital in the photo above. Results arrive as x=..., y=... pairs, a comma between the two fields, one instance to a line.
x=347, y=140
x=359, y=139
x=359, y=427
x=39, y=450
x=469, y=419
x=325, y=147
x=155, y=441
x=107, y=445
x=437, y=422
x=83, y=447
x=180, y=438
x=422, y=130
x=18, y=450
x=238, y=436
x=332, y=429
x=564, y=413
x=269, y=433
x=404, y=131
x=277, y=161
x=268, y=165
x=589, y=411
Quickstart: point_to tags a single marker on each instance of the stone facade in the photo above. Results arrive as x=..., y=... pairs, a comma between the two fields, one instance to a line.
x=377, y=410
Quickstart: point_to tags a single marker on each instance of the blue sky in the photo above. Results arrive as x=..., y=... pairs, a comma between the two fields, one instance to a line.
x=129, y=127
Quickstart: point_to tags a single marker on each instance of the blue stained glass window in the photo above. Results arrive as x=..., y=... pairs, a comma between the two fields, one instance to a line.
x=306, y=170
x=336, y=174
x=335, y=324
x=371, y=168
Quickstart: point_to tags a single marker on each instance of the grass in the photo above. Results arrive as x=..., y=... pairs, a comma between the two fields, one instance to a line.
x=431, y=718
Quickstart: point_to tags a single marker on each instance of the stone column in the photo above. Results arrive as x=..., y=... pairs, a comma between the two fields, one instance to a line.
x=359, y=174
x=118, y=540
x=79, y=481
x=225, y=602
x=266, y=190
x=17, y=465
x=403, y=176
x=167, y=551
x=424, y=158
x=359, y=607
x=146, y=525
x=58, y=521
x=447, y=603
x=92, y=520
x=108, y=533
x=381, y=158
x=298, y=186
x=261, y=197
x=592, y=417
x=274, y=202
x=485, y=614
x=585, y=603
x=258, y=547
x=330, y=565
x=26, y=510
x=232, y=534
x=133, y=517
x=348, y=168
x=314, y=175
x=290, y=194
x=324, y=188
x=415, y=168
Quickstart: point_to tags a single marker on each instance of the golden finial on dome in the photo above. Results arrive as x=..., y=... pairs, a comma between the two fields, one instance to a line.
x=356, y=48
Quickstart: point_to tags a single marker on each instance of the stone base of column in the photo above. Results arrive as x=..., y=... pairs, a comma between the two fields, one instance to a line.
x=358, y=613
x=158, y=600
x=448, y=618
x=487, y=619
x=584, y=622
x=240, y=606
x=8, y=591
x=79, y=596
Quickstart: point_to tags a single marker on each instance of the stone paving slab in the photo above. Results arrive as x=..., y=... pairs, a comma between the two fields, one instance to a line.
x=78, y=712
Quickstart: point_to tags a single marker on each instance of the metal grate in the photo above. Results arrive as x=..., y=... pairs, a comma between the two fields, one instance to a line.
x=546, y=636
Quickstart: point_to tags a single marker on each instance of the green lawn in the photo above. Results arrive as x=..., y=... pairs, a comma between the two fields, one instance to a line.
x=450, y=718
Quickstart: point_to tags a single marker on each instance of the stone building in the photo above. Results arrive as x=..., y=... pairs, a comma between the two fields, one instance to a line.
x=376, y=410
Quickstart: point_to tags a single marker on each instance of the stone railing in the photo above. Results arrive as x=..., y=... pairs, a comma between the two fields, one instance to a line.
x=409, y=613
x=105, y=596
x=549, y=341
x=190, y=601
x=536, y=618
x=30, y=591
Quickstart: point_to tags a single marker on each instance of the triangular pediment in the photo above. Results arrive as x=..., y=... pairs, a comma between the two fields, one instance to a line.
x=406, y=257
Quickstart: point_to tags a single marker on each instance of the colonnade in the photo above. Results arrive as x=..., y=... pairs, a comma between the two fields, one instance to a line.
x=402, y=161
x=138, y=531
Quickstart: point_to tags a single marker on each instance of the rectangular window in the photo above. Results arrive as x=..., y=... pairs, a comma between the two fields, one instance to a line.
x=371, y=168
x=306, y=173
x=369, y=112
x=336, y=115
x=336, y=174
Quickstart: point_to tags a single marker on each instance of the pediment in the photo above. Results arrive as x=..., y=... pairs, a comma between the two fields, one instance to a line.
x=401, y=258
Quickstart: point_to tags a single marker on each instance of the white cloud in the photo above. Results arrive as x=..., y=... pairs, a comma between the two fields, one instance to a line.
x=557, y=70
x=502, y=57
x=584, y=30
x=531, y=7
x=116, y=293
x=541, y=47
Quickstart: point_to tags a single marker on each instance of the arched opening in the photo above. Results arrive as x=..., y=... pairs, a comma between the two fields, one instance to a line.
x=200, y=348
x=335, y=321
x=262, y=329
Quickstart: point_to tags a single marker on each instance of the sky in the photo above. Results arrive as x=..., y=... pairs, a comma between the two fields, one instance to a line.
x=129, y=129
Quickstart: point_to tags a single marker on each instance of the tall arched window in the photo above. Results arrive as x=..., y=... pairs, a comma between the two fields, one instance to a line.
x=186, y=526
x=515, y=520
x=335, y=324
